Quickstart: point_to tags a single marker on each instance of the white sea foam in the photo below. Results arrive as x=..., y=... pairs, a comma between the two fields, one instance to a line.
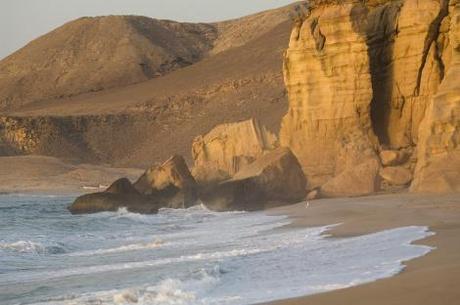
x=131, y=247
x=24, y=247
x=188, y=257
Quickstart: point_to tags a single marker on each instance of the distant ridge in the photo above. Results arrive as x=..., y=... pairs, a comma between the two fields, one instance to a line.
x=97, y=53
x=92, y=54
x=237, y=75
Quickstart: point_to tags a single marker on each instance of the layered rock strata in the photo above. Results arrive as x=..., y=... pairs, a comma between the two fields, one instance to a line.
x=438, y=167
x=274, y=179
x=327, y=74
x=227, y=148
x=173, y=180
x=365, y=74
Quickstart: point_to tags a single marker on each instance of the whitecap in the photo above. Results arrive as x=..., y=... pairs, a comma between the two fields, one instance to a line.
x=24, y=246
x=126, y=248
x=30, y=247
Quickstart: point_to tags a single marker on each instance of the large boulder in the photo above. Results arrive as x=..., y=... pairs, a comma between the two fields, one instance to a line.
x=121, y=194
x=273, y=179
x=362, y=179
x=227, y=148
x=396, y=175
x=171, y=183
x=393, y=157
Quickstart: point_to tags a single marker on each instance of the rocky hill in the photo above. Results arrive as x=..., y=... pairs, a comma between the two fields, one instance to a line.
x=93, y=54
x=238, y=75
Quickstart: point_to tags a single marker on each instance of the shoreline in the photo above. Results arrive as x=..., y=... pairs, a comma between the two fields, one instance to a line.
x=428, y=280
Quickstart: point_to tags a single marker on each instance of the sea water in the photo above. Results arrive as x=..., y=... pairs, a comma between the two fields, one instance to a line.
x=192, y=256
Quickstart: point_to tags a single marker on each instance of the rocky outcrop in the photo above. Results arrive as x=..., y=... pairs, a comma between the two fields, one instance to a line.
x=364, y=73
x=362, y=179
x=396, y=175
x=121, y=194
x=409, y=53
x=327, y=74
x=438, y=167
x=169, y=185
x=393, y=157
x=223, y=151
x=273, y=179
x=88, y=138
x=172, y=181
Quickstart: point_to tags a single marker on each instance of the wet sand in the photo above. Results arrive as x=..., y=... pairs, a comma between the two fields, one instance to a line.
x=430, y=280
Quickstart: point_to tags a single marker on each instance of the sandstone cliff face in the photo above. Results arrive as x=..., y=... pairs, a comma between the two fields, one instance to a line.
x=222, y=152
x=361, y=77
x=173, y=179
x=438, y=167
x=275, y=178
x=327, y=73
x=409, y=54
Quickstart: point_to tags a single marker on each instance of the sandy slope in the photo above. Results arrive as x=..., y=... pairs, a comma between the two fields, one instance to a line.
x=137, y=125
x=430, y=280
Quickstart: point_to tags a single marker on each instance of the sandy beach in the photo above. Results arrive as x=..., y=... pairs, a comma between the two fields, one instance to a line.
x=432, y=279
x=41, y=174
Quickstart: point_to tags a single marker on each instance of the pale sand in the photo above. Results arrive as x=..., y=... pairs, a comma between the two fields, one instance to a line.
x=40, y=174
x=430, y=280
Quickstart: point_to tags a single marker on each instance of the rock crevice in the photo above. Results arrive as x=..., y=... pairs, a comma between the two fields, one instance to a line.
x=361, y=76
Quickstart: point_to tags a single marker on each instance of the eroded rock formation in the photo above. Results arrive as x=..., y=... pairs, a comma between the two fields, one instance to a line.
x=327, y=74
x=169, y=185
x=438, y=167
x=172, y=180
x=361, y=77
x=223, y=151
x=273, y=179
x=121, y=194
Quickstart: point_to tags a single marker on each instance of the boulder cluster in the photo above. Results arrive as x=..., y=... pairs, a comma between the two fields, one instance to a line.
x=237, y=166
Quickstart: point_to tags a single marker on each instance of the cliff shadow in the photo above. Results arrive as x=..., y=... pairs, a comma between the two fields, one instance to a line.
x=380, y=29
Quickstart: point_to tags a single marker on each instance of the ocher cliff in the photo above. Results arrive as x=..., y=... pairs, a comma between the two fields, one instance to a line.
x=361, y=77
x=222, y=152
x=438, y=167
x=327, y=74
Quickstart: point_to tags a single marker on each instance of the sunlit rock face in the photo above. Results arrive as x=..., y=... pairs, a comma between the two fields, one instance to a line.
x=438, y=167
x=172, y=181
x=274, y=179
x=223, y=151
x=327, y=73
x=361, y=77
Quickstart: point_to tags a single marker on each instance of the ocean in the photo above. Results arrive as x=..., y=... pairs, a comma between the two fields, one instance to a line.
x=192, y=256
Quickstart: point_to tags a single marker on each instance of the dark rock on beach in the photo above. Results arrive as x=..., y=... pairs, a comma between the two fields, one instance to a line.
x=276, y=178
x=120, y=194
x=171, y=184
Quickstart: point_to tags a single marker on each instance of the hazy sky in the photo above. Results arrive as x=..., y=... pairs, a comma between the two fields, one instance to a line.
x=24, y=20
